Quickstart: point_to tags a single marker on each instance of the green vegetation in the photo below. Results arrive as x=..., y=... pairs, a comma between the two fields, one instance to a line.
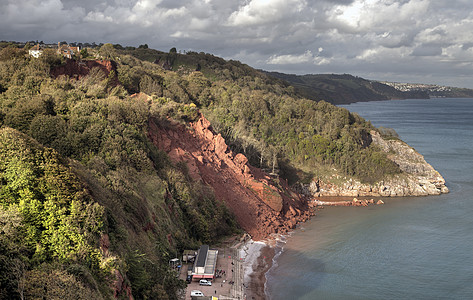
x=85, y=195
x=264, y=117
x=344, y=88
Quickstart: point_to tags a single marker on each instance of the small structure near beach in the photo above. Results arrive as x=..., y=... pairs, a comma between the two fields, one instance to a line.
x=205, y=263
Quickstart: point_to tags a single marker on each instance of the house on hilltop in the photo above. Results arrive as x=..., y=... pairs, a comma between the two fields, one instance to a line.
x=35, y=51
x=66, y=50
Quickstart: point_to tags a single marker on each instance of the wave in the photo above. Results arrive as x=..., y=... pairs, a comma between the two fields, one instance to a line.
x=279, y=241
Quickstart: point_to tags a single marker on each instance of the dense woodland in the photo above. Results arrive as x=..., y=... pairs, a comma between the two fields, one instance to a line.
x=85, y=195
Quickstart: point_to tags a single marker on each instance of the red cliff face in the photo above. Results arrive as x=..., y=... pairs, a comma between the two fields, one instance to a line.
x=77, y=69
x=261, y=204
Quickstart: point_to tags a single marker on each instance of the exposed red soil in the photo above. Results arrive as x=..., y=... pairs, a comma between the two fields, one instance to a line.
x=78, y=69
x=121, y=287
x=261, y=204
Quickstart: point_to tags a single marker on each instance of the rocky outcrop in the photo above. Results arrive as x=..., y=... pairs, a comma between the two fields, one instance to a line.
x=418, y=178
x=262, y=204
x=354, y=202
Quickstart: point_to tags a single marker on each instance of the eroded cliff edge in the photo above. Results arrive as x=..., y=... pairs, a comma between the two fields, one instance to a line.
x=261, y=204
x=419, y=178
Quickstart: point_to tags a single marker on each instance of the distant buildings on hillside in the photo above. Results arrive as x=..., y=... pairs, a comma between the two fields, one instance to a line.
x=66, y=50
x=410, y=87
x=53, y=45
x=433, y=90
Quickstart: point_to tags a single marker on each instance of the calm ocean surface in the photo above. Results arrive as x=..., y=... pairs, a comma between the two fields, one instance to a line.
x=409, y=248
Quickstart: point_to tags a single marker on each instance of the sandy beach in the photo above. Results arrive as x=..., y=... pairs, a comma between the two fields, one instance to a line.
x=257, y=262
x=255, y=281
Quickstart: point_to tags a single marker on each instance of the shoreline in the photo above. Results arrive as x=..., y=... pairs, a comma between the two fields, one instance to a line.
x=258, y=261
x=255, y=285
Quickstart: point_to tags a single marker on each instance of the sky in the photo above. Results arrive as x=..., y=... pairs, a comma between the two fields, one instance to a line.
x=417, y=41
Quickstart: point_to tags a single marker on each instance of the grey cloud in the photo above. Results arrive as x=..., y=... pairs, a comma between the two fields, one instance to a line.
x=87, y=5
x=427, y=50
x=467, y=46
x=396, y=40
x=383, y=38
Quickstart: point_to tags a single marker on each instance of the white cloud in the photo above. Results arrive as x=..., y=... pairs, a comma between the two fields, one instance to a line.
x=376, y=38
x=291, y=59
x=377, y=15
x=180, y=34
x=261, y=12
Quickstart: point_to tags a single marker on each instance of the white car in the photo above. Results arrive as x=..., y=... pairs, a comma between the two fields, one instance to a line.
x=197, y=293
x=205, y=282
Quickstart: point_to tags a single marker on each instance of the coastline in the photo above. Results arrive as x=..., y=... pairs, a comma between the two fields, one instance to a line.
x=258, y=260
x=254, y=284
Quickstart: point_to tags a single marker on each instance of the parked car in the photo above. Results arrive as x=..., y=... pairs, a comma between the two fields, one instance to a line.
x=189, y=278
x=205, y=282
x=197, y=293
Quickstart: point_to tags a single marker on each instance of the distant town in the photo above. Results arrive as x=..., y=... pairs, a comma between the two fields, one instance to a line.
x=412, y=87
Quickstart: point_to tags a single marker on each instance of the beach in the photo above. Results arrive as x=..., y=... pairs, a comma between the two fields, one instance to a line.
x=255, y=286
x=258, y=258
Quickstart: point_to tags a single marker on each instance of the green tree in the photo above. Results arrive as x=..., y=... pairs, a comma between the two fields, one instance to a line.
x=84, y=53
x=107, y=51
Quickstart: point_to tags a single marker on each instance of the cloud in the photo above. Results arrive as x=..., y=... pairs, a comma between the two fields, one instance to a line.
x=380, y=39
x=291, y=59
x=427, y=50
x=305, y=58
x=377, y=15
x=261, y=12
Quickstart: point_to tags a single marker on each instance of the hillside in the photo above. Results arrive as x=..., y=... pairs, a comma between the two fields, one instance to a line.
x=345, y=89
x=113, y=163
x=90, y=208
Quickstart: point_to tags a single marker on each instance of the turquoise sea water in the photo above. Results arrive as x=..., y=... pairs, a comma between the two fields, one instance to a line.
x=409, y=248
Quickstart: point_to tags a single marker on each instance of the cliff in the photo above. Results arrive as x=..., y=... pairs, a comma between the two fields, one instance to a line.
x=418, y=178
x=261, y=204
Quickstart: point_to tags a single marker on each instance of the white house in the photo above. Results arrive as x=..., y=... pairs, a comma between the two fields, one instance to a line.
x=35, y=51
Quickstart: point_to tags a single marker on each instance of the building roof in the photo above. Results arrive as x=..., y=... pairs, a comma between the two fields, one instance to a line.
x=205, y=263
x=202, y=255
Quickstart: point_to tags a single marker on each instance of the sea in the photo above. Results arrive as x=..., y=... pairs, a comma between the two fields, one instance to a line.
x=408, y=248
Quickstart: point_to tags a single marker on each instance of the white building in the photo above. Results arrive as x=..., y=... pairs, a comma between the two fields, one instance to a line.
x=35, y=51
x=205, y=263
